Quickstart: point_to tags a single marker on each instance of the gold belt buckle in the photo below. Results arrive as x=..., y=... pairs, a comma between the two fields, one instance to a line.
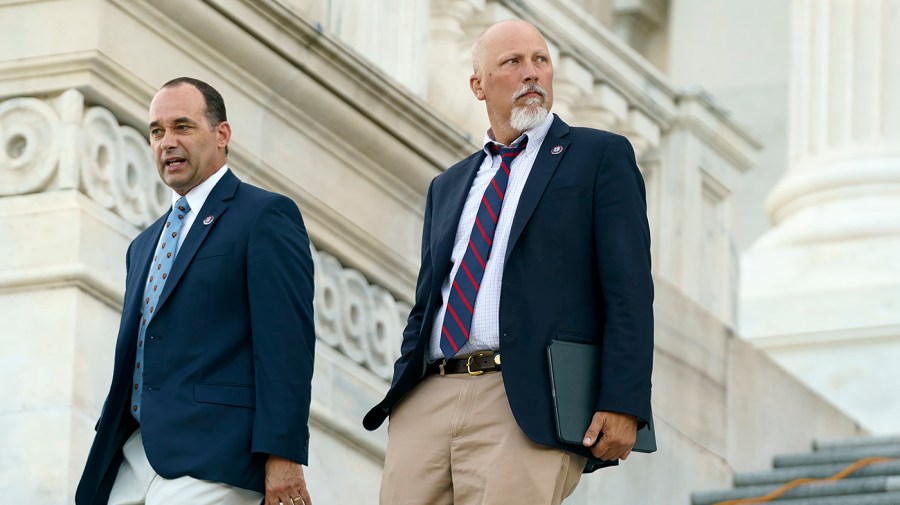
x=441, y=366
x=469, y=367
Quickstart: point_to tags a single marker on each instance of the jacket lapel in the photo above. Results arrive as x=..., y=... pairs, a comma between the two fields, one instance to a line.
x=214, y=207
x=551, y=153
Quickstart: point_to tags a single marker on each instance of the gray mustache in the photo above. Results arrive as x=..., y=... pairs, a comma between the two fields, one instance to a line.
x=530, y=88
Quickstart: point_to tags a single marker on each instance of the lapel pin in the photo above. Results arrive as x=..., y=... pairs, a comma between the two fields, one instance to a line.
x=556, y=150
x=208, y=220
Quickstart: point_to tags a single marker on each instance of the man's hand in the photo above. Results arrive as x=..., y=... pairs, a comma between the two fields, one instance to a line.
x=617, y=433
x=285, y=483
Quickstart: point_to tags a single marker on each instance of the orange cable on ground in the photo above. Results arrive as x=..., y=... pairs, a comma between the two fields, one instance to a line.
x=807, y=480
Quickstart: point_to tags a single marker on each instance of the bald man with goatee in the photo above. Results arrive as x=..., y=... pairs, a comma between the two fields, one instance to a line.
x=540, y=236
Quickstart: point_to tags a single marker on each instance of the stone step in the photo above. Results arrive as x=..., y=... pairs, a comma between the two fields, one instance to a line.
x=853, y=442
x=845, y=455
x=782, y=475
x=874, y=484
x=860, y=499
x=863, y=485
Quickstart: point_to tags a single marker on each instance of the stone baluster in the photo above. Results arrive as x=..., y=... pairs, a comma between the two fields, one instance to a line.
x=605, y=108
x=450, y=63
x=643, y=132
x=572, y=82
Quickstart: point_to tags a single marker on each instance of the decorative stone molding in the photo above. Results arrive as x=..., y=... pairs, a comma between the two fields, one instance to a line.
x=361, y=320
x=28, y=135
x=118, y=169
x=56, y=144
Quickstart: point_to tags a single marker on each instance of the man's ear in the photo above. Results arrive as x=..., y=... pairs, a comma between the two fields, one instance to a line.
x=223, y=134
x=475, y=84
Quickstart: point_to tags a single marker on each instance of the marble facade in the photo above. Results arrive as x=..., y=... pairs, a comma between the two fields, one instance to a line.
x=350, y=108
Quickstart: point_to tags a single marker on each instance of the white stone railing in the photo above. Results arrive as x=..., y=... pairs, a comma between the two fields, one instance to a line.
x=57, y=144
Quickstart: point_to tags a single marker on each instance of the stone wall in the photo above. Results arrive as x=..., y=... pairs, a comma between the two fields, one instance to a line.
x=355, y=145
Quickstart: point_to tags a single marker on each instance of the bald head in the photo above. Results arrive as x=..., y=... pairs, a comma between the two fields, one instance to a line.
x=498, y=30
x=513, y=75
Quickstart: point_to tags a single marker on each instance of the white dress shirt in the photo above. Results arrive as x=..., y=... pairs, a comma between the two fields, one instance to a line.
x=484, y=334
x=196, y=197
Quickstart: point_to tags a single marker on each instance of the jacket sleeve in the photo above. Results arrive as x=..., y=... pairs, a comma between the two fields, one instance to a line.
x=280, y=285
x=622, y=245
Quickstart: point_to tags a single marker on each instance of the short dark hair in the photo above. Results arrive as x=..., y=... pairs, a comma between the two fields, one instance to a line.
x=215, y=104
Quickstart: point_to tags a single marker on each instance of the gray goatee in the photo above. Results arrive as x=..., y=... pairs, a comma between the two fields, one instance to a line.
x=532, y=113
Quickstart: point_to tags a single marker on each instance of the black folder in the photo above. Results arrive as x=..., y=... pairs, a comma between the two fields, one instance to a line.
x=574, y=373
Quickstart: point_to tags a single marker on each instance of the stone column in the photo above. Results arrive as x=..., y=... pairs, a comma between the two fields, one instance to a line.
x=825, y=279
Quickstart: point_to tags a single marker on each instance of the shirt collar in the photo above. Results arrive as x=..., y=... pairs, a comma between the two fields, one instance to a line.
x=196, y=197
x=535, y=136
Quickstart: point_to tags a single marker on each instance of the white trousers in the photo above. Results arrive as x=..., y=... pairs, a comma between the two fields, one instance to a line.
x=138, y=484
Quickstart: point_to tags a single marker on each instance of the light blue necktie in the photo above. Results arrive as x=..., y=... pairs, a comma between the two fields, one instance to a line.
x=156, y=280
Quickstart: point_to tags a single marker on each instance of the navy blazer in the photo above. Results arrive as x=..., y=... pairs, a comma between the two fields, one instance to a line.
x=577, y=268
x=228, y=356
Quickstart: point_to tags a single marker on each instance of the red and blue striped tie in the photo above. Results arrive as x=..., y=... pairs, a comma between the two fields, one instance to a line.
x=461, y=303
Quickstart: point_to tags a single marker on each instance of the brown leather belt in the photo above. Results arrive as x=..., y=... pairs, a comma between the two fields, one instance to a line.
x=474, y=364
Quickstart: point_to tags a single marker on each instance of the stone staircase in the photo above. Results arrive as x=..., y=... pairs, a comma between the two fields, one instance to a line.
x=871, y=484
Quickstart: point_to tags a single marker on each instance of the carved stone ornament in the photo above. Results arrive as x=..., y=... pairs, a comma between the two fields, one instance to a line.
x=29, y=154
x=361, y=320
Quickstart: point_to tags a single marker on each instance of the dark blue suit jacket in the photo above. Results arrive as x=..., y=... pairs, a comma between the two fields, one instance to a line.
x=577, y=269
x=228, y=357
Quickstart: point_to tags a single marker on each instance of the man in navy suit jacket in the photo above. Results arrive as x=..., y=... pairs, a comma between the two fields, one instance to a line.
x=219, y=411
x=566, y=256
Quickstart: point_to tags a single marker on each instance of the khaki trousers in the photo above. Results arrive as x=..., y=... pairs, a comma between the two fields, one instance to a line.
x=138, y=484
x=454, y=441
